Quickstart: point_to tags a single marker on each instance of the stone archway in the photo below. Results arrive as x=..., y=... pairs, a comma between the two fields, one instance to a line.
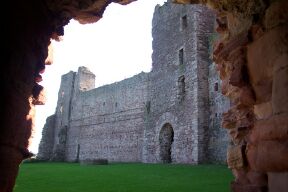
x=166, y=138
x=252, y=25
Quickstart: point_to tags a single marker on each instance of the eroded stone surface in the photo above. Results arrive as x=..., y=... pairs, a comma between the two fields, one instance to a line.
x=235, y=157
x=278, y=181
x=125, y=121
x=32, y=23
x=251, y=56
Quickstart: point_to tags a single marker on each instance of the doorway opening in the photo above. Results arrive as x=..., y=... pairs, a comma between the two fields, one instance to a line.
x=166, y=138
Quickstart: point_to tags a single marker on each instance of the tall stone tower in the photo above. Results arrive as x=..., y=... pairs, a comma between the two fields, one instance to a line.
x=84, y=81
x=178, y=93
x=57, y=129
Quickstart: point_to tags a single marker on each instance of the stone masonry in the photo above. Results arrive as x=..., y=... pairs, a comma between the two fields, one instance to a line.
x=171, y=114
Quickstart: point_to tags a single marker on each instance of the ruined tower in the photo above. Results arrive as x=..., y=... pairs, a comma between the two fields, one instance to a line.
x=178, y=92
x=57, y=130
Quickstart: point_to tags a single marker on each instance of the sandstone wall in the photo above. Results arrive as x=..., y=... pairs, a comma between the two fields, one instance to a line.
x=251, y=56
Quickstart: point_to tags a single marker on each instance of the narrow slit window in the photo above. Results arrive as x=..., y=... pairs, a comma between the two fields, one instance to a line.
x=181, y=88
x=183, y=22
x=182, y=84
x=181, y=56
x=216, y=86
x=148, y=106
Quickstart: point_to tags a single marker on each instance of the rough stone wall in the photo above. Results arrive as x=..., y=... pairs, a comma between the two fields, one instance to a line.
x=111, y=126
x=257, y=85
x=218, y=137
x=204, y=28
x=168, y=103
x=251, y=56
x=180, y=51
x=32, y=23
x=47, y=142
x=124, y=121
x=84, y=81
x=63, y=114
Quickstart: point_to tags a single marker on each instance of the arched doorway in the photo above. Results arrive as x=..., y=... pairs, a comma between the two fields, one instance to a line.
x=166, y=138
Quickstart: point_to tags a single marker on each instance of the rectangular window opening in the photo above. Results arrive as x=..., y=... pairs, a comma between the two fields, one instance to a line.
x=181, y=56
x=181, y=88
x=216, y=86
x=183, y=22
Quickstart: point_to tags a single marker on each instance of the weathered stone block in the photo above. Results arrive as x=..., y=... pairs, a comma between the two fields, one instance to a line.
x=238, y=25
x=263, y=110
x=235, y=157
x=257, y=178
x=268, y=156
x=280, y=81
x=238, y=134
x=240, y=175
x=276, y=14
x=222, y=52
x=278, y=181
x=274, y=128
x=237, y=60
x=256, y=31
x=246, y=96
x=261, y=56
x=237, y=117
x=229, y=120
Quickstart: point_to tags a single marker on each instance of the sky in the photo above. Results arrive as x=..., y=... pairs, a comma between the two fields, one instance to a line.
x=116, y=47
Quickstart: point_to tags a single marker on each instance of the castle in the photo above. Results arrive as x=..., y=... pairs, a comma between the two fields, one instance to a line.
x=171, y=114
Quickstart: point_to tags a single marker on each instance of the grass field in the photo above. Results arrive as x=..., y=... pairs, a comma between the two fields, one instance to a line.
x=72, y=177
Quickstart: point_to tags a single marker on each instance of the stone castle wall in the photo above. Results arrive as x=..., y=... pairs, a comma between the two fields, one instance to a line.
x=47, y=141
x=180, y=95
x=62, y=115
x=217, y=136
x=111, y=124
x=161, y=116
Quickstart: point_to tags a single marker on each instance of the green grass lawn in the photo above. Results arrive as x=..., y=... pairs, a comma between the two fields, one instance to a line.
x=72, y=177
